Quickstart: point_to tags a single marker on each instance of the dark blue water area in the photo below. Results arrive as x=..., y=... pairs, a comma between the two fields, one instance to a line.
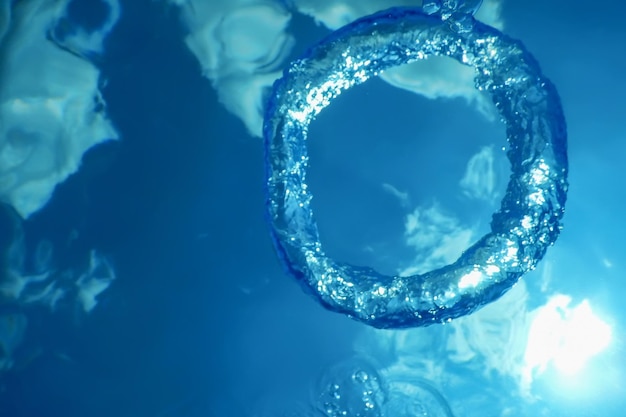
x=90, y=14
x=201, y=315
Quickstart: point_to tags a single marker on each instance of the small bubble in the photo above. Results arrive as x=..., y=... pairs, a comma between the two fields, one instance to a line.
x=431, y=7
x=461, y=23
x=352, y=388
x=451, y=4
x=360, y=376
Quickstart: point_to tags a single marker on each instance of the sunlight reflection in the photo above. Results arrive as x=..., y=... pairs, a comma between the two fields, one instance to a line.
x=564, y=336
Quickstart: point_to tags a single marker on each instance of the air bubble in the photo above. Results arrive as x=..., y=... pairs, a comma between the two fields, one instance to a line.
x=352, y=388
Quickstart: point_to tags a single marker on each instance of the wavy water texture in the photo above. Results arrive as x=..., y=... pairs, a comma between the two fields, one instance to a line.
x=51, y=109
x=528, y=221
x=34, y=278
x=242, y=46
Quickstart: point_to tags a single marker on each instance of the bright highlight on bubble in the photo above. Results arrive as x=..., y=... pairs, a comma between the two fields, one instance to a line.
x=529, y=219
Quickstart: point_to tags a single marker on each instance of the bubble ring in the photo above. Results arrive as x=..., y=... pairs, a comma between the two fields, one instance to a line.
x=528, y=221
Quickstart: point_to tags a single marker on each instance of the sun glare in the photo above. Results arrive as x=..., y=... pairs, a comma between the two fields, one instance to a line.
x=565, y=337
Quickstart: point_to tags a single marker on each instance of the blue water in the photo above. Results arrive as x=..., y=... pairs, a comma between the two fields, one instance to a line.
x=201, y=319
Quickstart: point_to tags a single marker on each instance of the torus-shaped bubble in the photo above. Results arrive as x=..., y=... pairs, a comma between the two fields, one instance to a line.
x=527, y=223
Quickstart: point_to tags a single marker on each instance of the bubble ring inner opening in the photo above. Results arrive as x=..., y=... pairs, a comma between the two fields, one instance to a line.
x=528, y=221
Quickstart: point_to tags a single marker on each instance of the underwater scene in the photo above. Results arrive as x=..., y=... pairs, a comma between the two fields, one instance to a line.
x=312, y=208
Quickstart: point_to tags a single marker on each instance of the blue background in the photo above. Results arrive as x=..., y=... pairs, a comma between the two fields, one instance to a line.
x=201, y=320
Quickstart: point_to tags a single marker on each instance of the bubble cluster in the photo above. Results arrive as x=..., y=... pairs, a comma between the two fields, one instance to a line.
x=355, y=388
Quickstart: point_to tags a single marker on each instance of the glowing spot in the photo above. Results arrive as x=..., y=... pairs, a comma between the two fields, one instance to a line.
x=566, y=337
x=470, y=280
